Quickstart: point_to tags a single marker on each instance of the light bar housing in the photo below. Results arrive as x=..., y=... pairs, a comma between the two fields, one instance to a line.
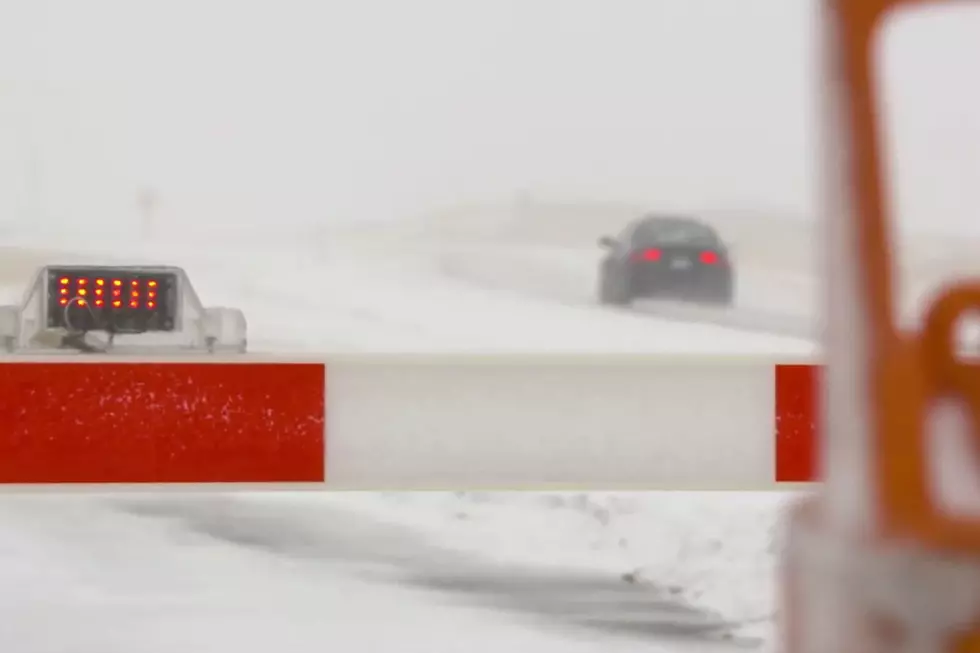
x=156, y=310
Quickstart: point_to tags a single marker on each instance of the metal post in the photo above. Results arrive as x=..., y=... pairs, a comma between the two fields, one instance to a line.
x=33, y=163
x=874, y=563
x=148, y=202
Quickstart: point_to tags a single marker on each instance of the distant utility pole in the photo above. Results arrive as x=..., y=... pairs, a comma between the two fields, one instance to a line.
x=149, y=202
x=523, y=201
x=33, y=163
x=34, y=186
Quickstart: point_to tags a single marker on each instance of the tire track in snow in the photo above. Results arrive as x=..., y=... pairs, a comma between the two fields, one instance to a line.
x=386, y=553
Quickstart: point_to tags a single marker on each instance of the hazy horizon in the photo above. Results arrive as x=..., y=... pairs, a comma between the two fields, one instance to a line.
x=316, y=111
x=307, y=113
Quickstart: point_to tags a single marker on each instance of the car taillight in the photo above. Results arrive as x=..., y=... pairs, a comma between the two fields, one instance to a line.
x=709, y=258
x=647, y=255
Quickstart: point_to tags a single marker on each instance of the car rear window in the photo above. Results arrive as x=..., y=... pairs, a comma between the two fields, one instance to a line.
x=675, y=233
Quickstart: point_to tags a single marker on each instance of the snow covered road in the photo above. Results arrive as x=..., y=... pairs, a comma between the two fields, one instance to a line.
x=348, y=294
x=776, y=304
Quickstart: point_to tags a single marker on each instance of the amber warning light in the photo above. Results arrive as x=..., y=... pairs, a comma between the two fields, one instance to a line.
x=116, y=301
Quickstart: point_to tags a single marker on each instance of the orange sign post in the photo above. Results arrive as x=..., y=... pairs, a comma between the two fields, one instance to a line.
x=874, y=562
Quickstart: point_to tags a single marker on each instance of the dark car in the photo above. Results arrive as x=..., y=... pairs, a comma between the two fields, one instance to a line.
x=666, y=257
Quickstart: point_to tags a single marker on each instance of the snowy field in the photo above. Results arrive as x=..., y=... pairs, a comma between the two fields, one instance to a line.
x=670, y=571
x=575, y=571
x=407, y=572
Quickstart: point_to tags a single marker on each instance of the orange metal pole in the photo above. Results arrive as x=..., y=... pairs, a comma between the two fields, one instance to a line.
x=874, y=564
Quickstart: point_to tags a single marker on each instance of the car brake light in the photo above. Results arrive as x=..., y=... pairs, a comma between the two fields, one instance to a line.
x=709, y=258
x=647, y=255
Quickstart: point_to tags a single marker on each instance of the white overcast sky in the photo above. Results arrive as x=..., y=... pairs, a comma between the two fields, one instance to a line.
x=300, y=111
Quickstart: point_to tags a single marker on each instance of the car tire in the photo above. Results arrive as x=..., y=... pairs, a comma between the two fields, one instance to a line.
x=724, y=294
x=612, y=293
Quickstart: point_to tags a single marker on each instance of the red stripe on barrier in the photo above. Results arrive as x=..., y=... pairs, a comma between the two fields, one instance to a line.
x=796, y=423
x=162, y=422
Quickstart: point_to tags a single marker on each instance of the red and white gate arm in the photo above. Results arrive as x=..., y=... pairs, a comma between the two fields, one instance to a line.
x=408, y=422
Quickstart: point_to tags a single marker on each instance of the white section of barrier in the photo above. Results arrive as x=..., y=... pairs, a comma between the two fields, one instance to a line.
x=535, y=422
